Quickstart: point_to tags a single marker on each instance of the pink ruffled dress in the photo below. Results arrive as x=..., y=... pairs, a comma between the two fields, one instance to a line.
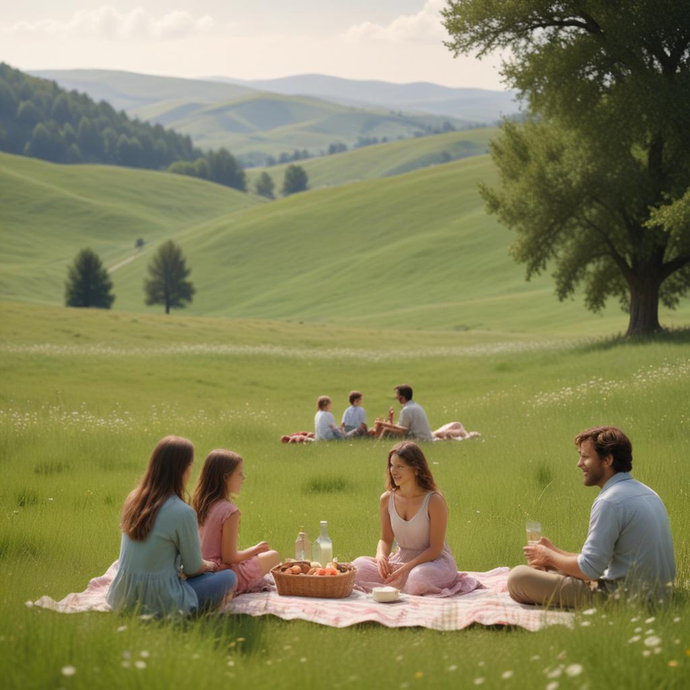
x=249, y=574
x=437, y=578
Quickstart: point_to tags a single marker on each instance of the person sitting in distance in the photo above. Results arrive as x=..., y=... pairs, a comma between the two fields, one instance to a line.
x=325, y=428
x=412, y=422
x=628, y=546
x=354, y=422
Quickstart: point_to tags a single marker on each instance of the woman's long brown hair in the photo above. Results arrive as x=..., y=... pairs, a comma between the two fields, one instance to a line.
x=212, y=485
x=163, y=479
x=413, y=457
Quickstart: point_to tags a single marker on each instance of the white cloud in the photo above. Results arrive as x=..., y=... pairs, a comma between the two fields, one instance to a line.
x=107, y=22
x=425, y=26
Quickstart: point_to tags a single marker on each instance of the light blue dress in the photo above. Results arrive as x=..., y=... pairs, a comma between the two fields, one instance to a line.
x=148, y=570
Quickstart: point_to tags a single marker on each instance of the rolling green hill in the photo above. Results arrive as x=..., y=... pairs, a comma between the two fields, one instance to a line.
x=384, y=160
x=407, y=252
x=259, y=124
x=129, y=90
x=51, y=211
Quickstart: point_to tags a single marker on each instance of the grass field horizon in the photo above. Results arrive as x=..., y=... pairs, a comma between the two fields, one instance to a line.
x=86, y=394
x=412, y=251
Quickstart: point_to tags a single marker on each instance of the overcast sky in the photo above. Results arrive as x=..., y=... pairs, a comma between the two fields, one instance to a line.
x=392, y=40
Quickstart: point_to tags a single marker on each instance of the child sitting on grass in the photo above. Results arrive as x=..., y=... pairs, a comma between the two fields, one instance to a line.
x=325, y=428
x=219, y=521
x=354, y=421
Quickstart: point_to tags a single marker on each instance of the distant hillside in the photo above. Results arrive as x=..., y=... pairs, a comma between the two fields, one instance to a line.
x=253, y=125
x=476, y=105
x=411, y=251
x=384, y=160
x=129, y=90
x=263, y=124
x=51, y=211
x=40, y=119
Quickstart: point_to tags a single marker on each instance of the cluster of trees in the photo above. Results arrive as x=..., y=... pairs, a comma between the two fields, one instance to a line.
x=337, y=147
x=88, y=283
x=285, y=157
x=42, y=120
x=295, y=180
x=217, y=166
x=369, y=141
x=596, y=180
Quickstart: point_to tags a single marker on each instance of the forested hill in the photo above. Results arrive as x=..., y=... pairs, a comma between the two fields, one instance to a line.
x=42, y=120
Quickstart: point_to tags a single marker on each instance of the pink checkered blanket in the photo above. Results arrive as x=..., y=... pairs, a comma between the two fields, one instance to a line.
x=490, y=605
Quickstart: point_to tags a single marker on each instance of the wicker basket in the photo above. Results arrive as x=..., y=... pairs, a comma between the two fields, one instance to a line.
x=320, y=586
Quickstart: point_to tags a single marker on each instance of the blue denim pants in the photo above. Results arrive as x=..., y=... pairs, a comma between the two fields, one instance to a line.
x=211, y=588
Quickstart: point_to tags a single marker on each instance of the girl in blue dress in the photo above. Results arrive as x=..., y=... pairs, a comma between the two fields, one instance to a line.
x=161, y=570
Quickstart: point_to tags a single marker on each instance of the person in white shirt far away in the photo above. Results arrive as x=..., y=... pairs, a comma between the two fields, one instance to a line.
x=354, y=422
x=325, y=428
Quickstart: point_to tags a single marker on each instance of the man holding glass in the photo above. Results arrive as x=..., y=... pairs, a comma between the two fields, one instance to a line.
x=628, y=545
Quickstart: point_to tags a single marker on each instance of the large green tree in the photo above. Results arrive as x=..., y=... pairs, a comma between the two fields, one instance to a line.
x=595, y=181
x=88, y=284
x=167, y=283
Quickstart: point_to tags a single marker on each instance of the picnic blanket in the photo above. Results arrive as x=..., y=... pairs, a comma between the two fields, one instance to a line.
x=491, y=605
x=298, y=437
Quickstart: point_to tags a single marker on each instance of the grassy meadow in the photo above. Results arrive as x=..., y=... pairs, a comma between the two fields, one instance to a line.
x=385, y=160
x=410, y=251
x=85, y=395
x=259, y=124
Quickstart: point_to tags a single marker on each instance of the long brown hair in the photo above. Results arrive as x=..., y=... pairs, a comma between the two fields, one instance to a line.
x=212, y=484
x=413, y=456
x=164, y=478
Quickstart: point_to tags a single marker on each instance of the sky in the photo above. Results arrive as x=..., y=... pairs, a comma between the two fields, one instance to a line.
x=391, y=40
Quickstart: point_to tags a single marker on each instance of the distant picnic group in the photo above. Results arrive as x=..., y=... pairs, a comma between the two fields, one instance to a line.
x=412, y=422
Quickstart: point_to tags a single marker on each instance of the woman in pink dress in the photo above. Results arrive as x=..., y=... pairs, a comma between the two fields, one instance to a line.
x=415, y=515
x=219, y=521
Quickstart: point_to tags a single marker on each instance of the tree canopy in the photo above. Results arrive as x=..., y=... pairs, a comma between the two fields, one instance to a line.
x=595, y=181
x=167, y=283
x=264, y=185
x=44, y=121
x=88, y=284
x=295, y=180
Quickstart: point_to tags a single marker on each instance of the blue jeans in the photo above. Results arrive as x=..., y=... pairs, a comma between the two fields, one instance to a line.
x=211, y=588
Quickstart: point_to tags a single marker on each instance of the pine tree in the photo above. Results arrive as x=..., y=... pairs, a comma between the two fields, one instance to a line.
x=167, y=282
x=88, y=284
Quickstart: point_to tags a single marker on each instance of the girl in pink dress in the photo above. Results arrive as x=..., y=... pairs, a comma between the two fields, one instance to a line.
x=219, y=521
x=413, y=513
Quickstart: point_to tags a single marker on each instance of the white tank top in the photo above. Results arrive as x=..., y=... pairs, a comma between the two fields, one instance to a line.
x=411, y=534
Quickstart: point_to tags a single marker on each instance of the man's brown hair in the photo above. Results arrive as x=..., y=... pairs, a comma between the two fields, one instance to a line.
x=609, y=440
x=404, y=390
x=322, y=401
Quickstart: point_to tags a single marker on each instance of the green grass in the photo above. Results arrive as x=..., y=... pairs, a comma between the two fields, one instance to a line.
x=384, y=160
x=52, y=211
x=85, y=395
x=414, y=251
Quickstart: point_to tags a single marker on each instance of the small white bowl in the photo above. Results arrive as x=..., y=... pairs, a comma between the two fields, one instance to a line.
x=385, y=594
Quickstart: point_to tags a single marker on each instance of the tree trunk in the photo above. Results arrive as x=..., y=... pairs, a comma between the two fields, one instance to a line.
x=644, y=307
x=167, y=306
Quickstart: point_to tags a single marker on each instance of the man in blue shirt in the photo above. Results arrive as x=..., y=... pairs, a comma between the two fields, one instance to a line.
x=628, y=545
